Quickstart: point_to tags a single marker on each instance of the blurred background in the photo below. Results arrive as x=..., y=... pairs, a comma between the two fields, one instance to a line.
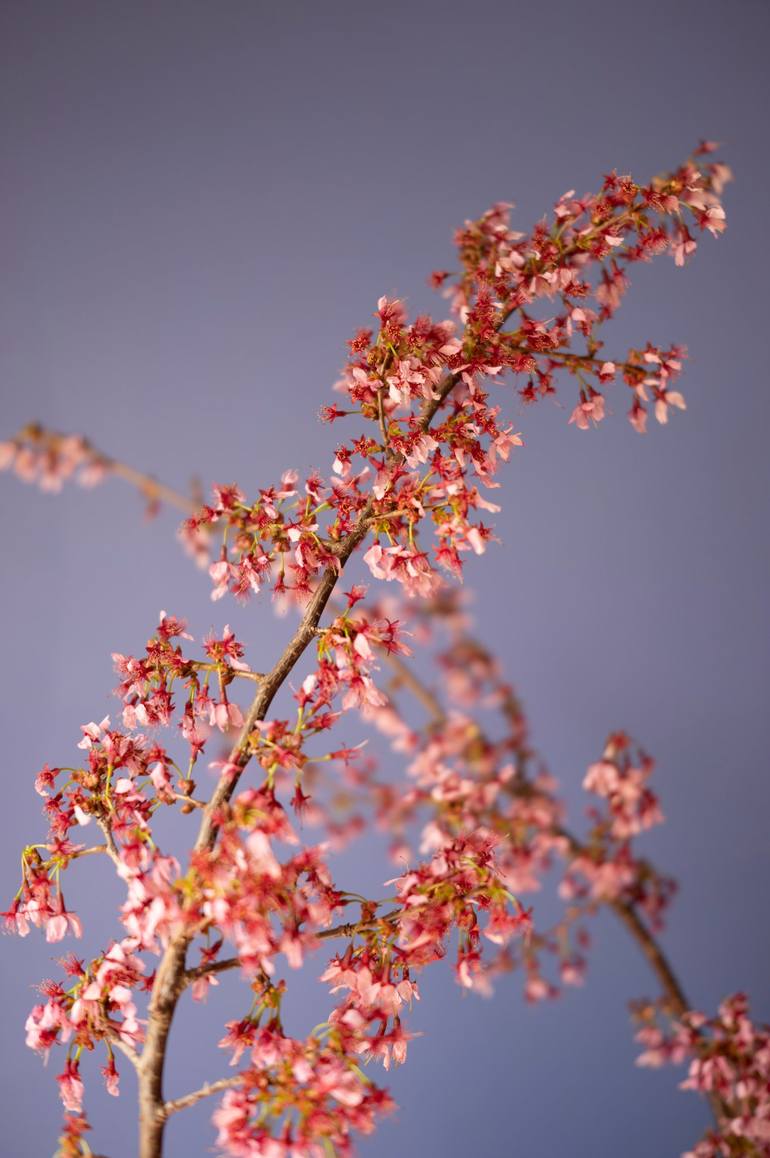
x=200, y=203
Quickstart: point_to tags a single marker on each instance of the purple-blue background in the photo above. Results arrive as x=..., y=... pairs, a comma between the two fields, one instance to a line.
x=200, y=203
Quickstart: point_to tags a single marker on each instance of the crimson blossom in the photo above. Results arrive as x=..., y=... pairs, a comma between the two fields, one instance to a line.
x=478, y=822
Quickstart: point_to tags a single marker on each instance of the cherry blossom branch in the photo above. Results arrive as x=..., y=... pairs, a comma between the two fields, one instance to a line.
x=399, y=381
x=625, y=911
x=270, y=685
x=63, y=454
x=170, y=976
x=272, y=682
x=169, y=979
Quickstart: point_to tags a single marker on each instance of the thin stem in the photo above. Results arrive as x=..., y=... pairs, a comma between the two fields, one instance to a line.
x=222, y=966
x=353, y=928
x=405, y=677
x=148, y=486
x=231, y=672
x=193, y=803
x=81, y=852
x=349, y=929
x=569, y=358
x=206, y=1091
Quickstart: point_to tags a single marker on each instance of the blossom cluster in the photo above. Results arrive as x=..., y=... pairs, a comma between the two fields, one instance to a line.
x=468, y=778
x=434, y=440
x=606, y=868
x=729, y=1061
x=241, y=892
x=98, y=1005
x=49, y=459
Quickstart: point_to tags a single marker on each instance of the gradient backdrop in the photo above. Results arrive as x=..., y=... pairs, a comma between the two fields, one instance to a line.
x=200, y=203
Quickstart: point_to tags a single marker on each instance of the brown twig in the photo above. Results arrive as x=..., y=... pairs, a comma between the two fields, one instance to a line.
x=149, y=487
x=172, y=1107
x=405, y=677
x=348, y=929
x=227, y=671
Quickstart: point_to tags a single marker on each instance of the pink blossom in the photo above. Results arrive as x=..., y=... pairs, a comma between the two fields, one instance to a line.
x=71, y=1086
x=591, y=409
